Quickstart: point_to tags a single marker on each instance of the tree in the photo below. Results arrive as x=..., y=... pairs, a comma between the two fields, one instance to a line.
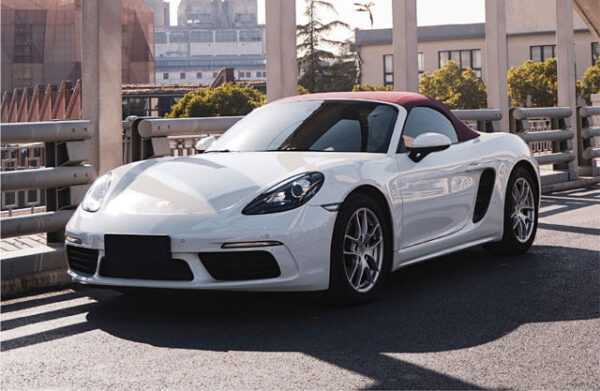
x=536, y=84
x=312, y=36
x=369, y=87
x=533, y=82
x=591, y=81
x=455, y=88
x=366, y=7
x=226, y=100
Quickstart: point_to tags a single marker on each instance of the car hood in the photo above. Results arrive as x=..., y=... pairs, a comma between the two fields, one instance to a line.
x=210, y=183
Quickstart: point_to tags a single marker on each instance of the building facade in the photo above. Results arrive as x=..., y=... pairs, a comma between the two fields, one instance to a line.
x=41, y=42
x=530, y=36
x=211, y=35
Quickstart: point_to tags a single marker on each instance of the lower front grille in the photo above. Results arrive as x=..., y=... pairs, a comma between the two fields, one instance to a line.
x=165, y=270
x=240, y=265
x=82, y=260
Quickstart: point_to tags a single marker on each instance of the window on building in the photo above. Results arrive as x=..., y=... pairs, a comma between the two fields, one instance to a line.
x=165, y=76
x=178, y=36
x=258, y=74
x=388, y=69
x=250, y=36
x=32, y=197
x=9, y=199
x=201, y=36
x=541, y=53
x=160, y=37
x=595, y=52
x=421, y=63
x=470, y=58
x=198, y=75
x=182, y=75
x=226, y=36
x=30, y=32
x=248, y=74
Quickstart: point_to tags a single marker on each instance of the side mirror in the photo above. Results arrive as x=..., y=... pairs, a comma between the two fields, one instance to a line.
x=426, y=143
x=205, y=142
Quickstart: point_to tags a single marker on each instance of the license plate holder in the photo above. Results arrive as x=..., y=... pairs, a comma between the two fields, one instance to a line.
x=138, y=247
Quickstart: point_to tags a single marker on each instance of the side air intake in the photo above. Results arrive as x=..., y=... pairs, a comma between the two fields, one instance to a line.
x=484, y=194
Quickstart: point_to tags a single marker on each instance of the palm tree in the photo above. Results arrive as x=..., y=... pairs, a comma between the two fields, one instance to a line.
x=312, y=37
x=366, y=7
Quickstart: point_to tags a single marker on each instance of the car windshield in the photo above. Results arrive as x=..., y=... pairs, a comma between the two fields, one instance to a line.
x=312, y=125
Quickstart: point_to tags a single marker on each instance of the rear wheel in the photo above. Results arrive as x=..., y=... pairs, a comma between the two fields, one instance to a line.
x=520, y=214
x=361, y=251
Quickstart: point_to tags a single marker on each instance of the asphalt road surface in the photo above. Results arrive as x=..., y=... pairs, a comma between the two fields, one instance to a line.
x=466, y=321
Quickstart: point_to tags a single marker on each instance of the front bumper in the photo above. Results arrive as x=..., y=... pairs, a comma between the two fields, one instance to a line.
x=303, y=256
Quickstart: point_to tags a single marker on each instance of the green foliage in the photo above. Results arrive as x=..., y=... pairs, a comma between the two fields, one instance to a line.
x=226, y=100
x=537, y=80
x=456, y=89
x=302, y=90
x=370, y=87
x=591, y=81
x=311, y=38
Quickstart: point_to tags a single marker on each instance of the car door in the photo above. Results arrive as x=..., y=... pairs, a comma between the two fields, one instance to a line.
x=438, y=192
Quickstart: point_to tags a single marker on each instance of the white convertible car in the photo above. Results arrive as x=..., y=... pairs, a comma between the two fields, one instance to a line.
x=325, y=192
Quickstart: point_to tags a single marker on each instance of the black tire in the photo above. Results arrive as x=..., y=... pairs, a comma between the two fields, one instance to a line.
x=340, y=290
x=510, y=244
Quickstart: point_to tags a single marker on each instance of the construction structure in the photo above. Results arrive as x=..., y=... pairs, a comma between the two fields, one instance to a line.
x=42, y=42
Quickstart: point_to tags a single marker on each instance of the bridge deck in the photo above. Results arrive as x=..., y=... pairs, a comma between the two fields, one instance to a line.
x=468, y=320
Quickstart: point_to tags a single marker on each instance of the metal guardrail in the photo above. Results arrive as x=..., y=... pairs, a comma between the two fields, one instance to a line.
x=486, y=120
x=64, y=176
x=559, y=136
x=153, y=137
x=589, y=145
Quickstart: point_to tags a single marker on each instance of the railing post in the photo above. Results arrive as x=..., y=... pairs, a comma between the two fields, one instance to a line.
x=101, y=80
x=496, y=59
x=404, y=41
x=565, y=58
x=280, y=31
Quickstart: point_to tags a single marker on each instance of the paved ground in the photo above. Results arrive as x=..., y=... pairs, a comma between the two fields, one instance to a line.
x=12, y=246
x=460, y=322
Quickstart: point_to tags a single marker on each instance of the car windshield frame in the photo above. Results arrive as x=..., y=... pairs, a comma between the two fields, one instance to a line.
x=356, y=114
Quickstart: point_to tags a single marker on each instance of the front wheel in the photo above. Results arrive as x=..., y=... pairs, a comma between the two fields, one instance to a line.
x=361, y=251
x=520, y=215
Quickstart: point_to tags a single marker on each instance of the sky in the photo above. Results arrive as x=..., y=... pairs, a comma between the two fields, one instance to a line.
x=429, y=12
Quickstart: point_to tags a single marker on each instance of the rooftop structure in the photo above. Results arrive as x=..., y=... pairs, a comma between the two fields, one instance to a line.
x=211, y=35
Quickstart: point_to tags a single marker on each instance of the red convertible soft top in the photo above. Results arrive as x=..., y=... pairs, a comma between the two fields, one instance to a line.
x=406, y=99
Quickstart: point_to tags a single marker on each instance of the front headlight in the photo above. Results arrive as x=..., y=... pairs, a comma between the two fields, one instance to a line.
x=287, y=195
x=96, y=193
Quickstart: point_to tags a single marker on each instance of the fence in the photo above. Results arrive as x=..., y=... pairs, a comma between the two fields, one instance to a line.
x=63, y=176
x=588, y=133
x=21, y=106
x=560, y=136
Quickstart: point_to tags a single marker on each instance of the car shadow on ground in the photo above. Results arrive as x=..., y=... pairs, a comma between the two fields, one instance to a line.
x=459, y=301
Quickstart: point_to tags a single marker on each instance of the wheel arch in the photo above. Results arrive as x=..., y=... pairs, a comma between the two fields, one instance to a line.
x=527, y=165
x=380, y=198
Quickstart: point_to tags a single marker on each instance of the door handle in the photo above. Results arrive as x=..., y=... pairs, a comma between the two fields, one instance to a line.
x=473, y=167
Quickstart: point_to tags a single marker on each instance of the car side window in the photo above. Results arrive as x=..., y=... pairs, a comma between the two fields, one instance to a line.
x=426, y=120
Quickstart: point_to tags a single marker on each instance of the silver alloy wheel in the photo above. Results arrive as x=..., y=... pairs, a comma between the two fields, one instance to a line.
x=523, y=213
x=363, y=250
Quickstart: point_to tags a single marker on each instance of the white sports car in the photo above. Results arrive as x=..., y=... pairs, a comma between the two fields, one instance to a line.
x=324, y=192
